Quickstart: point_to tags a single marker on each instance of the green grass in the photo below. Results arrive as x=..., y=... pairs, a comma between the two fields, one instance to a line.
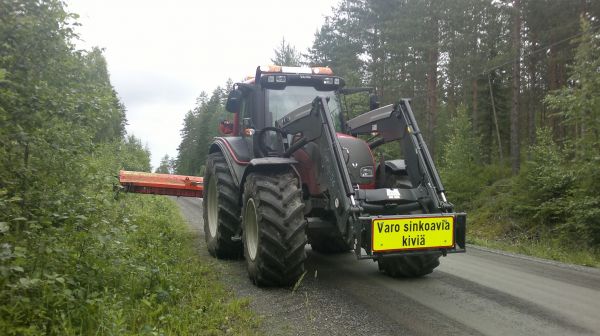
x=544, y=248
x=132, y=270
x=500, y=217
x=491, y=225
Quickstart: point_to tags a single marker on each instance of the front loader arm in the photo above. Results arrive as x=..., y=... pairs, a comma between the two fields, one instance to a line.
x=397, y=122
x=314, y=124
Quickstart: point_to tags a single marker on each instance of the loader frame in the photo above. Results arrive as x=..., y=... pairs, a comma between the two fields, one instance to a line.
x=355, y=209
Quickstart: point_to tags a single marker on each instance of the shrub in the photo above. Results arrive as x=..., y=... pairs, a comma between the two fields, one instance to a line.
x=461, y=162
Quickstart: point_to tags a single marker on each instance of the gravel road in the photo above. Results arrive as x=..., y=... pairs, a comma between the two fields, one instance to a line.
x=482, y=292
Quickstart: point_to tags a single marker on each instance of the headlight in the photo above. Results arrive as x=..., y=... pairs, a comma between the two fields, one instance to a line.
x=366, y=172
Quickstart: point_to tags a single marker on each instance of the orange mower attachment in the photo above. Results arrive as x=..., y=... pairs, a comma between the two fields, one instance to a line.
x=161, y=184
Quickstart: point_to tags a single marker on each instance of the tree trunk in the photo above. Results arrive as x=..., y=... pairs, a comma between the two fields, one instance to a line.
x=475, y=121
x=554, y=83
x=533, y=103
x=432, y=73
x=515, y=151
x=499, y=139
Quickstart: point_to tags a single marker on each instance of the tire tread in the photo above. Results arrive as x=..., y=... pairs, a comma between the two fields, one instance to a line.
x=281, y=225
x=222, y=246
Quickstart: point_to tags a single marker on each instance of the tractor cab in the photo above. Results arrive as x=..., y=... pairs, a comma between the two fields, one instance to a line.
x=278, y=90
x=261, y=104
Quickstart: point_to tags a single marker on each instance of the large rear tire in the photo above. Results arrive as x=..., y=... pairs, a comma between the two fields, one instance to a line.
x=274, y=228
x=221, y=210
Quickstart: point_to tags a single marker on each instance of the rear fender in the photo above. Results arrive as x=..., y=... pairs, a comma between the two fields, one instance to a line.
x=235, y=151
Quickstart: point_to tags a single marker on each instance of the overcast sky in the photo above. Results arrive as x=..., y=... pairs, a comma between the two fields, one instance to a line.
x=162, y=54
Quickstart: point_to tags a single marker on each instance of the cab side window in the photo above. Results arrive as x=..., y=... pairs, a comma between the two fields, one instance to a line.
x=246, y=113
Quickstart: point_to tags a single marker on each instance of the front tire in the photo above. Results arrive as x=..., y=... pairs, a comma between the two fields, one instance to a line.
x=274, y=228
x=221, y=210
x=409, y=266
x=412, y=266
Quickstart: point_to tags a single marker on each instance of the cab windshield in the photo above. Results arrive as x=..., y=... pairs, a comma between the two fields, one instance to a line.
x=282, y=102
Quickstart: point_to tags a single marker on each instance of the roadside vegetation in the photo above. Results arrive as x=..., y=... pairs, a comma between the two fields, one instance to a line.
x=74, y=258
x=551, y=208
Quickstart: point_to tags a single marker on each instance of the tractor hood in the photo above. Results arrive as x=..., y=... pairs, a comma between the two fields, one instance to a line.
x=359, y=160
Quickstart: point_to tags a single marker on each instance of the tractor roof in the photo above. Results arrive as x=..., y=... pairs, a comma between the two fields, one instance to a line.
x=296, y=70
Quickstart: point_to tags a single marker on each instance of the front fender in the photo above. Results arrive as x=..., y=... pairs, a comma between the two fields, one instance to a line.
x=396, y=166
x=240, y=164
x=269, y=164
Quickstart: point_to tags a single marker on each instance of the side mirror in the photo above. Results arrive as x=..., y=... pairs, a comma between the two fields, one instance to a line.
x=225, y=127
x=234, y=101
x=373, y=102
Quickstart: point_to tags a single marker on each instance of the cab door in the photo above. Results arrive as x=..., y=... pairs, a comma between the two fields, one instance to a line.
x=247, y=124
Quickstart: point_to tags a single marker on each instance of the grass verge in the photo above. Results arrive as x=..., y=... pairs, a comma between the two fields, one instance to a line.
x=133, y=270
x=545, y=249
x=500, y=217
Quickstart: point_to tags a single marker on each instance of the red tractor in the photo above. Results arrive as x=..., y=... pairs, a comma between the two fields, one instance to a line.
x=294, y=170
